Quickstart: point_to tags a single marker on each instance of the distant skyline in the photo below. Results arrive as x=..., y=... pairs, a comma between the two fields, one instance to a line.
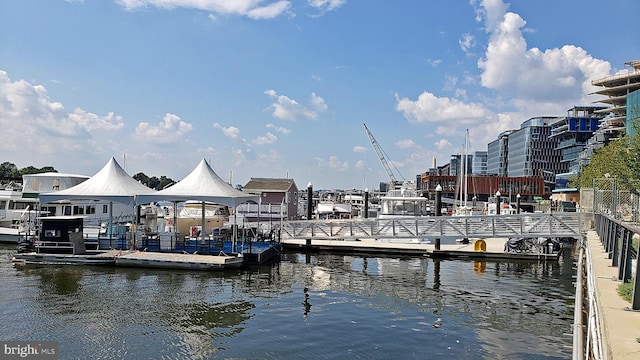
x=281, y=88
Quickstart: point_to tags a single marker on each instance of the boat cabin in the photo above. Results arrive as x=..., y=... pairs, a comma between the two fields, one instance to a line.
x=61, y=235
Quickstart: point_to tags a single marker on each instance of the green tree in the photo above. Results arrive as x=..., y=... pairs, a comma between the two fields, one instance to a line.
x=165, y=182
x=142, y=178
x=613, y=159
x=9, y=170
x=154, y=183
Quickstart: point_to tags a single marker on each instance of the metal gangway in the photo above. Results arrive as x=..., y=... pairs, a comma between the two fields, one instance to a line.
x=530, y=225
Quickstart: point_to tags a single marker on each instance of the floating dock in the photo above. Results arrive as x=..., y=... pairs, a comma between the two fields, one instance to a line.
x=106, y=258
x=493, y=249
x=259, y=254
x=183, y=261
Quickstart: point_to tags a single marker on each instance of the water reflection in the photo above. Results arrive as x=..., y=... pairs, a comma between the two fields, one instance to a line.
x=308, y=305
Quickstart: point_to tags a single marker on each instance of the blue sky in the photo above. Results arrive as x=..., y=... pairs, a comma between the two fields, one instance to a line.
x=279, y=88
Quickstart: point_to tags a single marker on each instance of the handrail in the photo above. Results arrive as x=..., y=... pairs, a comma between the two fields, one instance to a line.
x=555, y=225
x=578, y=328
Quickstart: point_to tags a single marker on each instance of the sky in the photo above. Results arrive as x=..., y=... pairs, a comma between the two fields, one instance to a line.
x=282, y=88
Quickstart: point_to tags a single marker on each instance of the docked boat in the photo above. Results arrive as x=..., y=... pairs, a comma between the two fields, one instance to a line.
x=462, y=208
x=189, y=215
x=401, y=206
x=402, y=202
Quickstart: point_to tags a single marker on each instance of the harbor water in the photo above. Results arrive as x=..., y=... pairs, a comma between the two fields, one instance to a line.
x=307, y=306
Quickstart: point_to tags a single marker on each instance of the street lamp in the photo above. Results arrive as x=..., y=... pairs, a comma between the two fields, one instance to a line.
x=438, y=205
x=518, y=203
x=498, y=202
x=309, y=200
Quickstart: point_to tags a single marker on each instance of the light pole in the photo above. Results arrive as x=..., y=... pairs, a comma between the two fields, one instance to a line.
x=498, y=202
x=438, y=206
x=366, y=203
x=518, y=203
x=309, y=200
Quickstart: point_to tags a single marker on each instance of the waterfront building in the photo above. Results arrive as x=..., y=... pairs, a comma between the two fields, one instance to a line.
x=615, y=89
x=456, y=165
x=633, y=112
x=497, y=154
x=572, y=133
x=532, y=153
x=484, y=187
x=479, y=163
x=278, y=200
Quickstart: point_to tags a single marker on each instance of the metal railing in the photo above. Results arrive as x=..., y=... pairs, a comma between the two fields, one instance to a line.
x=557, y=225
x=617, y=239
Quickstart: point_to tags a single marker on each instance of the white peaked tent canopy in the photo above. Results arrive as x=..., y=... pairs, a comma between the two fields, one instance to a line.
x=202, y=184
x=111, y=183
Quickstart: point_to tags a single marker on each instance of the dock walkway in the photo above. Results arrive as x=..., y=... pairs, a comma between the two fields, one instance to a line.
x=493, y=249
x=620, y=326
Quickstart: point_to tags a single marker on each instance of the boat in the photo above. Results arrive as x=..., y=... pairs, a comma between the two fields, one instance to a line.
x=331, y=205
x=404, y=201
x=402, y=205
x=190, y=214
x=462, y=208
x=17, y=214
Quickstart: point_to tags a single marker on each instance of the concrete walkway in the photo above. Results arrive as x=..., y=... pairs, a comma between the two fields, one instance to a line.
x=620, y=326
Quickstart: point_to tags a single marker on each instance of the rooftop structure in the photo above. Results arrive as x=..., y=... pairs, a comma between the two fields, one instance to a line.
x=572, y=133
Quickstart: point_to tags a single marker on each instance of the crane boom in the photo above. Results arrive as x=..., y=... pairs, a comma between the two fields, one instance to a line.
x=381, y=155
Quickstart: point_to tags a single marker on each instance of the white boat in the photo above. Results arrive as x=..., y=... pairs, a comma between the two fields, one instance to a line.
x=332, y=205
x=403, y=202
x=189, y=217
x=402, y=205
x=462, y=208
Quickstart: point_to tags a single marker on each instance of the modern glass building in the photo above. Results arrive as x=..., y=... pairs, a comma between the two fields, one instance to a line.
x=533, y=153
x=497, y=153
x=479, y=163
x=633, y=112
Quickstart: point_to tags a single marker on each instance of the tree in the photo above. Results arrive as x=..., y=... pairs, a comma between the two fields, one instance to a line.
x=9, y=171
x=614, y=159
x=142, y=178
x=153, y=182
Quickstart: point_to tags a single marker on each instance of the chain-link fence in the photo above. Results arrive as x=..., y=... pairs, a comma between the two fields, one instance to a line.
x=607, y=199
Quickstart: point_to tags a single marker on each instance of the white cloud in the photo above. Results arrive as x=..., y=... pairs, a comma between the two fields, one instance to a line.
x=406, y=144
x=332, y=163
x=359, y=164
x=326, y=5
x=318, y=103
x=359, y=149
x=231, y=131
x=92, y=121
x=431, y=109
x=31, y=120
x=280, y=129
x=434, y=62
x=560, y=75
x=250, y=8
x=170, y=130
x=466, y=42
x=443, y=144
x=286, y=108
x=269, y=138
